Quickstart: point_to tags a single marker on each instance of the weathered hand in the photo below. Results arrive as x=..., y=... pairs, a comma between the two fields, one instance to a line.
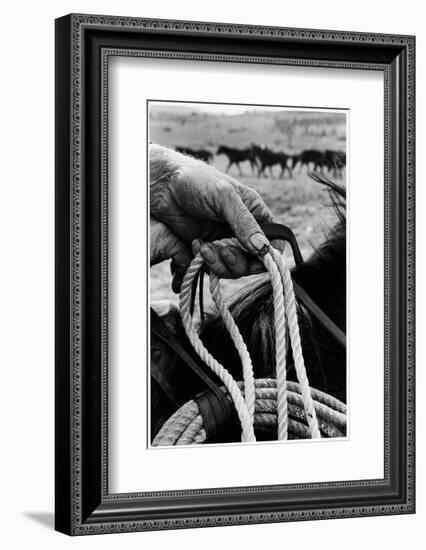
x=228, y=262
x=190, y=198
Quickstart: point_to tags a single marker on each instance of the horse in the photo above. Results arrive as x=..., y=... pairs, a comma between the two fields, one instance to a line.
x=323, y=277
x=334, y=161
x=200, y=154
x=311, y=157
x=294, y=160
x=235, y=156
x=268, y=159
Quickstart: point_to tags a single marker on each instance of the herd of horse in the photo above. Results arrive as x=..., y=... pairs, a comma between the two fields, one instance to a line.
x=263, y=159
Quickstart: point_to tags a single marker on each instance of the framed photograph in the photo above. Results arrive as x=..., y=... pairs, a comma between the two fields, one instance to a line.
x=234, y=274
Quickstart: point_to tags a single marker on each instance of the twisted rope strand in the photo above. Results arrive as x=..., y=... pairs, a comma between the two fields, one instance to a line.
x=296, y=346
x=240, y=346
x=248, y=375
x=209, y=360
x=280, y=346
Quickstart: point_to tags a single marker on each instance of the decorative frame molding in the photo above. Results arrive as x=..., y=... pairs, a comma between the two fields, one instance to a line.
x=84, y=44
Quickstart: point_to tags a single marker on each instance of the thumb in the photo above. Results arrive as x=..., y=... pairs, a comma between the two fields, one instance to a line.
x=244, y=224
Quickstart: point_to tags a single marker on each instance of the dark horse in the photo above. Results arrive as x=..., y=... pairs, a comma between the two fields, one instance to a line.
x=201, y=154
x=311, y=157
x=268, y=159
x=235, y=156
x=334, y=161
x=294, y=160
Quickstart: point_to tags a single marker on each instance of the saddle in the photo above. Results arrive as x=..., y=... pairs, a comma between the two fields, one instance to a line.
x=194, y=382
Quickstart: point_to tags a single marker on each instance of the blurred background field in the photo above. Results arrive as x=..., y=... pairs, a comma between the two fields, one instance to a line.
x=298, y=202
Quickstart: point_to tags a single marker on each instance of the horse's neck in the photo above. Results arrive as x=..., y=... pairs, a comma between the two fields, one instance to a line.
x=323, y=277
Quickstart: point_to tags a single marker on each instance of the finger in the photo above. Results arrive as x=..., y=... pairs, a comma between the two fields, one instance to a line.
x=234, y=260
x=166, y=245
x=179, y=272
x=173, y=267
x=181, y=254
x=214, y=261
x=255, y=266
x=243, y=223
x=196, y=246
x=177, y=280
x=181, y=258
x=240, y=264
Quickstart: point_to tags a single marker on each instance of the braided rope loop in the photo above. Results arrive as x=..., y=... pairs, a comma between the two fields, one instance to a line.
x=280, y=346
x=248, y=375
x=285, y=311
x=244, y=415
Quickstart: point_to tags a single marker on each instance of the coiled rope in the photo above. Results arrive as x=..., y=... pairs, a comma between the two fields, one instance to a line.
x=185, y=426
x=285, y=313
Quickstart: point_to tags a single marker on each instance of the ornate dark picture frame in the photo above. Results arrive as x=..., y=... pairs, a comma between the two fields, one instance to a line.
x=83, y=45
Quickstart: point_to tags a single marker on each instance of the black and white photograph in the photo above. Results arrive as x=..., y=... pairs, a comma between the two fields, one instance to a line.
x=248, y=273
